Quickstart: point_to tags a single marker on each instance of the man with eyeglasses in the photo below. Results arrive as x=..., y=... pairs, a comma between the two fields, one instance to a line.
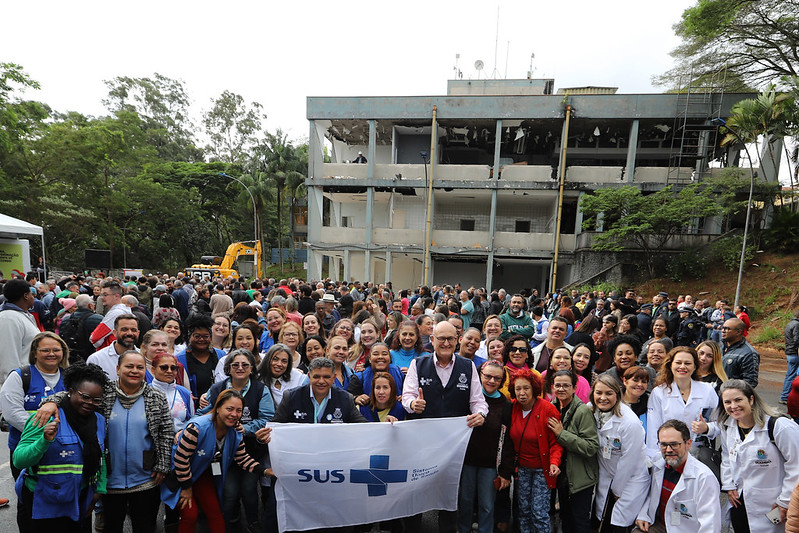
x=740, y=359
x=684, y=493
x=443, y=384
x=111, y=298
x=126, y=333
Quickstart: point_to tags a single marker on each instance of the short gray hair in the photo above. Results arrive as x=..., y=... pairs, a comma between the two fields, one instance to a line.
x=82, y=301
x=321, y=362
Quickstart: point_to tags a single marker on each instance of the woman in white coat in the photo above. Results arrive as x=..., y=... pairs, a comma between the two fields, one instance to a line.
x=679, y=395
x=759, y=459
x=623, y=474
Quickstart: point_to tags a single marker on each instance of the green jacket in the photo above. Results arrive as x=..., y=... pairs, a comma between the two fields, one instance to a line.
x=511, y=325
x=581, y=444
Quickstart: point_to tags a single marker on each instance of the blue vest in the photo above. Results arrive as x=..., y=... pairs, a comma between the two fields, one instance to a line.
x=182, y=359
x=252, y=399
x=301, y=407
x=442, y=400
x=130, y=437
x=203, y=455
x=371, y=415
x=37, y=390
x=59, y=475
x=368, y=373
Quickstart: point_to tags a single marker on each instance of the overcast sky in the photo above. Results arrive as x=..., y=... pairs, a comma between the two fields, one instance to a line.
x=277, y=53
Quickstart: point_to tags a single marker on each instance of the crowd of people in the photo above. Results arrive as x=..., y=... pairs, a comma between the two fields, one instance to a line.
x=590, y=411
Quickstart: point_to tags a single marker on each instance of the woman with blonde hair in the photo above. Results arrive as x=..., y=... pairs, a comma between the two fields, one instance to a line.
x=291, y=335
x=359, y=352
x=711, y=365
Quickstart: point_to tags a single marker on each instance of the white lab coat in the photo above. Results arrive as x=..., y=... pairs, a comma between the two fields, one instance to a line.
x=693, y=506
x=764, y=473
x=622, y=467
x=666, y=405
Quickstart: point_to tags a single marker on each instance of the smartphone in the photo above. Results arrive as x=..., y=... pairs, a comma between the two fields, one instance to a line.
x=774, y=516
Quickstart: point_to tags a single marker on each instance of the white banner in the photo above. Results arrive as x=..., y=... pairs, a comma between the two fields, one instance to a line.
x=332, y=475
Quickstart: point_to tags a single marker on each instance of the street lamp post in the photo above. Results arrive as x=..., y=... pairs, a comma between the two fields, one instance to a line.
x=721, y=122
x=254, y=214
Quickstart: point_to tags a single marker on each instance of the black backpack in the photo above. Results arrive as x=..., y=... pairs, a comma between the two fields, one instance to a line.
x=73, y=331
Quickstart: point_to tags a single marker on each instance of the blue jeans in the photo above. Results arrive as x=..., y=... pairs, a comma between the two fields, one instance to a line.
x=244, y=485
x=533, y=495
x=477, y=480
x=793, y=367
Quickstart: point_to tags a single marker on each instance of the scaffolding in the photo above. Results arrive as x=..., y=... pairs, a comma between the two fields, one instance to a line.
x=695, y=138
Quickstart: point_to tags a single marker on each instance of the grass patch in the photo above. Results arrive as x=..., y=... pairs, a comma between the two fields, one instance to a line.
x=767, y=334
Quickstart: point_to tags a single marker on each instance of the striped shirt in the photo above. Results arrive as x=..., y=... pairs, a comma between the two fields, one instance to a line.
x=188, y=444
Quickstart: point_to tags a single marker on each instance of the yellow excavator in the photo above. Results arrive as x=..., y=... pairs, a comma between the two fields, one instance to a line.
x=212, y=266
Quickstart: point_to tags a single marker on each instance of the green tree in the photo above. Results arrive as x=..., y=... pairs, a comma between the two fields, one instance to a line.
x=163, y=104
x=283, y=165
x=233, y=127
x=755, y=41
x=648, y=222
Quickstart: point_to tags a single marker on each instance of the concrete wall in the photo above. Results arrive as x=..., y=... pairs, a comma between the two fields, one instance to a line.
x=456, y=272
x=348, y=152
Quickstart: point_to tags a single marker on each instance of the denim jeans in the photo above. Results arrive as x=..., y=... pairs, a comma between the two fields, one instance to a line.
x=244, y=485
x=533, y=495
x=793, y=366
x=480, y=481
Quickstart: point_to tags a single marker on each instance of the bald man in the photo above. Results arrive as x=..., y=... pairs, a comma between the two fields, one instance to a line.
x=443, y=384
x=741, y=360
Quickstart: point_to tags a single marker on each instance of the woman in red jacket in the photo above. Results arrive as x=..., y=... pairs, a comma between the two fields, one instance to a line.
x=537, y=450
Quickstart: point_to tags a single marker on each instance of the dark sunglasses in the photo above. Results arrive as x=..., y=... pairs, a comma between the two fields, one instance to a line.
x=167, y=368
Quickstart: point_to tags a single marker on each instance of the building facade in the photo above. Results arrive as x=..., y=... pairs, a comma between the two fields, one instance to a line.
x=484, y=164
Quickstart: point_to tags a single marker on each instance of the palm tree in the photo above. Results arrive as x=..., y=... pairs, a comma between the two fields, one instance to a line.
x=281, y=164
x=261, y=188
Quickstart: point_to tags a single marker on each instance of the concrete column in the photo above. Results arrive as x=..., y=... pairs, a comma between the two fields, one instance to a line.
x=388, y=265
x=493, y=217
x=770, y=157
x=579, y=222
x=315, y=264
x=346, y=266
x=632, y=151
x=370, y=200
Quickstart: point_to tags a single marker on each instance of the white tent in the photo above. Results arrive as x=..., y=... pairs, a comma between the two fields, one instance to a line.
x=13, y=228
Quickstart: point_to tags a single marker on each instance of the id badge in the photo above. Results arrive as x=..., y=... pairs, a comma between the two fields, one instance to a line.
x=606, y=452
x=216, y=468
x=674, y=518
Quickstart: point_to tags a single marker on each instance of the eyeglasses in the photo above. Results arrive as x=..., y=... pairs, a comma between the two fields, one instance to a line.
x=562, y=386
x=290, y=335
x=672, y=445
x=87, y=398
x=446, y=340
x=725, y=328
x=168, y=368
x=345, y=328
x=201, y=337
x=50, y=350
x=522, y=349
x=240, y=365
x=492, y=378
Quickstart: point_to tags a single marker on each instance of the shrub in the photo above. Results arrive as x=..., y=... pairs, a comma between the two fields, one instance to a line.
x=782, y=235
x=728, y=251
x=768, y=333
x=690, y=264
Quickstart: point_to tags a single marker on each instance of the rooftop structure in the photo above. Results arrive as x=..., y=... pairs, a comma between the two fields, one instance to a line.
x=483, y=163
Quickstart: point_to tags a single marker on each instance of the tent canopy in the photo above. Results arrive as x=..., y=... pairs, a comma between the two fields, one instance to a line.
x=13, y=228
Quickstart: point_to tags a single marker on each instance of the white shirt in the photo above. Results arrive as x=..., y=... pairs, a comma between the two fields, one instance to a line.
x=107, y=359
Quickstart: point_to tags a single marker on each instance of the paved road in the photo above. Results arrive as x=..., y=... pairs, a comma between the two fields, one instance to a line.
x=771, y=378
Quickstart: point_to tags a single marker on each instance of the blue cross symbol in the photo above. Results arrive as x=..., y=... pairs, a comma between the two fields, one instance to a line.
x=378, y=476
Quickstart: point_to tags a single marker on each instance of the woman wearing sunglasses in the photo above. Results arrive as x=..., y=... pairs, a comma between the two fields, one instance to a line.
x=516, y=358
x=165, y=369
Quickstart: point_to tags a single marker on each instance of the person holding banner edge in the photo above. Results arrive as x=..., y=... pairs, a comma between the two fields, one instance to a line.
x=316, y=402
x=452, y=388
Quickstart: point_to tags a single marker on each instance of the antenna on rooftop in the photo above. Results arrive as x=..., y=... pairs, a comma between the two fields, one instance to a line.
x=530, y=72
x=478, y=65
x=496, y=45
x=458, y=73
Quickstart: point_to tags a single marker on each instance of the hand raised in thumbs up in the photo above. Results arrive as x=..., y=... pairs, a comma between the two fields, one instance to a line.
x=699, y=426
x=419, y=404
x=51, y=428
